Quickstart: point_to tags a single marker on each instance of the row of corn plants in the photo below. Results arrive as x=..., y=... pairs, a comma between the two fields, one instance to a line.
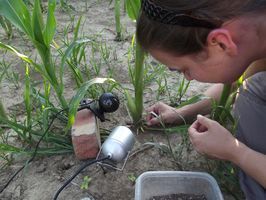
x=40, y=110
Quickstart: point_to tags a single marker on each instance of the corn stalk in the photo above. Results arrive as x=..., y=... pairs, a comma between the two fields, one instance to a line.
x=117, y=20
x=135, y=105
x=220, y=107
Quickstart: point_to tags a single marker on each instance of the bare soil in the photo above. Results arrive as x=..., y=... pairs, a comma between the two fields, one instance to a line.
x=45, y=175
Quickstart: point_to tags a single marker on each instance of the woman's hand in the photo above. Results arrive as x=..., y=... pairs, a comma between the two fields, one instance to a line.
x=162, y=113
x=209, y=137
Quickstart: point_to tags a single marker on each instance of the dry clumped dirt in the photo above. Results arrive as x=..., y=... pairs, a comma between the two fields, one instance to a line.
x=45, y=175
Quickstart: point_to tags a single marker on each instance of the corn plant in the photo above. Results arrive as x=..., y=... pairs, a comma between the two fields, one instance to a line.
x=37, y=124
x=135, y=105
x=117, y=20
x=41, y=35
x=74, y=54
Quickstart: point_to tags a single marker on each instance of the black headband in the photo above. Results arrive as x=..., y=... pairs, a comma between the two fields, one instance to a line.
x=171, y=17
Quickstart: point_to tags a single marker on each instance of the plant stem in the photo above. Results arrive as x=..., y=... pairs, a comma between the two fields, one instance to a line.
x=225, y=94
x=117, y=20
x=138, y=81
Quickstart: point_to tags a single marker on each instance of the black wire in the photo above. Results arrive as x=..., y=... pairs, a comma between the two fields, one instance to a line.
x=86, y=164
x=34, y=153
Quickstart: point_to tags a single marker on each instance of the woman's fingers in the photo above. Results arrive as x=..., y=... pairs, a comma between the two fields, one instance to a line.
x=204, y=121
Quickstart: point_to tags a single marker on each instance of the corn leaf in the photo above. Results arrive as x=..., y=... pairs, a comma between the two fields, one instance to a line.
x=223, y=99
x=82, y=91
x=37, y=22
x=67, y=54
x=23, y=57
x=18, y=128
x=12, y=49
x=2, y=111
x=182, y=129
x=77, y=27
x=50, y=27
x=27, y=98
x=18, y=14
x=131, y=106
x=193, y=99
x=9, y=148
x=133, y=7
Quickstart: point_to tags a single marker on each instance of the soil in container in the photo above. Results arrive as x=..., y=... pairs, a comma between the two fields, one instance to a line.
x=179, y=196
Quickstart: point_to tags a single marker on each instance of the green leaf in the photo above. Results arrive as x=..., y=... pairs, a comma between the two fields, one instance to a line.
x=9, y=148
x=192, y=100
x=74, y=102
x=76, y=29
x=131, y=106
x=37, y=22
x=50, y=28
x=68, y=53
x=18, y=14
x=23, y=57
x=2, y=111
x=27, y=98
x=10, y=48
x=133, y=8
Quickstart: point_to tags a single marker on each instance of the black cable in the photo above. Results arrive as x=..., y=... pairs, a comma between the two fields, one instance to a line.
x=86, y=164
x=34, y=153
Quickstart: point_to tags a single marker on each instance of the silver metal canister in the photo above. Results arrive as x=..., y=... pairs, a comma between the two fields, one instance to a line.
x=118, y=144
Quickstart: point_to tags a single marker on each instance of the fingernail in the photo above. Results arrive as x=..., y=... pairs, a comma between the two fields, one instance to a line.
x=198, y=116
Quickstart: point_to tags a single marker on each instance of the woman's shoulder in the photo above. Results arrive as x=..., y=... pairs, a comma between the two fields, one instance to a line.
x=255, y=67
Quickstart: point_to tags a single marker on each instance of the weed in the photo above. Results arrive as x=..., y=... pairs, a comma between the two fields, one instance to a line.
x=85, y=183
x=132, y=177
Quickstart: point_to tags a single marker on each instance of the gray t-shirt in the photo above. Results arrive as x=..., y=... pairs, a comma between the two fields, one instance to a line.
x=250, y=112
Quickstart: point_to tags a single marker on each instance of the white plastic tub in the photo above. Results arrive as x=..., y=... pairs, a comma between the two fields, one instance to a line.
x=158, y=183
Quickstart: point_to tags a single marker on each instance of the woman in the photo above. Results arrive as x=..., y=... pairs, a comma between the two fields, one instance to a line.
x=216, y=42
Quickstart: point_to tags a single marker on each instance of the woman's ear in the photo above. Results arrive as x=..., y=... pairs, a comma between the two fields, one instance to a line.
x=223, y=38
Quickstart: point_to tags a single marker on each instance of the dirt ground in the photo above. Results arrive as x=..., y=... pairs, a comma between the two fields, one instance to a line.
x=45, y=175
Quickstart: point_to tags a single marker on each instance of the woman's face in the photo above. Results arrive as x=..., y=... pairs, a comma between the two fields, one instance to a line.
x=212, y=69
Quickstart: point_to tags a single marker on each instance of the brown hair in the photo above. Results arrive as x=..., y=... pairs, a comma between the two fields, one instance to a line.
x=153, y=31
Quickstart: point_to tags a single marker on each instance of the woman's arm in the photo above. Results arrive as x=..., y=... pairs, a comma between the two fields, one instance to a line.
x=250, y=161
x=203, y=107
x=216, y=141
